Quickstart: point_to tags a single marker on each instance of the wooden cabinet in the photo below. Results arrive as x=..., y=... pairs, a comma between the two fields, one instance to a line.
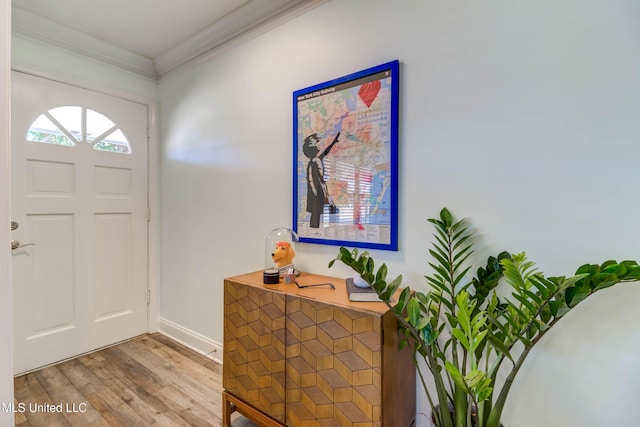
x=310, y=357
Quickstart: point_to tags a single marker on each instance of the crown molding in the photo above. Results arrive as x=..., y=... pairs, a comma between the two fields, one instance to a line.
x=42, y=31
x=248, y=21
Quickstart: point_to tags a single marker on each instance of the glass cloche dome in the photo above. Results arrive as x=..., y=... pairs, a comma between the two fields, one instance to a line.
x=280, y=249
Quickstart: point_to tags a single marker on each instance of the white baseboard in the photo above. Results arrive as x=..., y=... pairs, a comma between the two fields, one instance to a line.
x=203, y=345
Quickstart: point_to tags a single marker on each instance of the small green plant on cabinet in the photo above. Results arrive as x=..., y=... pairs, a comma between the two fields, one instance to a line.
x=464, y=332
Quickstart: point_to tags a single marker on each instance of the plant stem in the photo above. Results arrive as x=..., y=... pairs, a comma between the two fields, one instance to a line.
x=445, y=416
x=459, y=394
x=424, y=386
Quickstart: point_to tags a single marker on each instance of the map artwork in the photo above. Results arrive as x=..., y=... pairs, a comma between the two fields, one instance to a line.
x=344, y=167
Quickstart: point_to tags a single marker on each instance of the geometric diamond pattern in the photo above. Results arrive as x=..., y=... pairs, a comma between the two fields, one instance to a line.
x=313, y=361
x=333, y=369
x=254, y=347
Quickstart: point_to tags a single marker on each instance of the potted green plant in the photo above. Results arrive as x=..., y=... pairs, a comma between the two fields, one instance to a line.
x=464, y=332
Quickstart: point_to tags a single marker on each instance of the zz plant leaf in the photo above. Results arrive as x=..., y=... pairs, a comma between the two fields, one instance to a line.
x=464, y=331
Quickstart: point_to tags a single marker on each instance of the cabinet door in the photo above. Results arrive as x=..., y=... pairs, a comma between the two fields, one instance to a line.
x=254, y=347
x=334, y=365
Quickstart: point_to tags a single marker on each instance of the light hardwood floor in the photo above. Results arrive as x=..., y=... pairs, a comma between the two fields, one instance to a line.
x=147, y=381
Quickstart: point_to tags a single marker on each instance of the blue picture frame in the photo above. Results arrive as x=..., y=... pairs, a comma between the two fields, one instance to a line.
x=345, y=160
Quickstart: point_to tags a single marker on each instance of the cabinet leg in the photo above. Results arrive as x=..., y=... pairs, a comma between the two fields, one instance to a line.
x=227, y=409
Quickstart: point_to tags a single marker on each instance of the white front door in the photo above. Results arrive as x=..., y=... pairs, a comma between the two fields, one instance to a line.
x=79, y=196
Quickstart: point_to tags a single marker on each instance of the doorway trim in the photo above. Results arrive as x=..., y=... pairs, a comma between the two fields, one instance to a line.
x=6, y=305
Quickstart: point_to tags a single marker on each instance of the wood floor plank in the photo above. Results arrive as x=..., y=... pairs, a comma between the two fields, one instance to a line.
x=29, y=392
x=20, y=417
x=176, y=366
x=151, y=409
x=189, y=409
x=133, y=387
x=177, y=370
x=149, y=380
x=73, y=404
x=113, y=409
x=196, y=357
x=82, y=378
x=193, y=363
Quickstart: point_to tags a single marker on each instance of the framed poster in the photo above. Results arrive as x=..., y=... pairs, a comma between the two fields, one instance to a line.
x=345, y=160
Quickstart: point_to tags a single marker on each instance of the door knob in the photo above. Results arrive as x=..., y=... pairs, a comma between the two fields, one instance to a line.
x=14, y=225
x=15, y=244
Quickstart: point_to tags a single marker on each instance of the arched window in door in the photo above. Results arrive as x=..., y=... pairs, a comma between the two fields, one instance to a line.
x=72, y=125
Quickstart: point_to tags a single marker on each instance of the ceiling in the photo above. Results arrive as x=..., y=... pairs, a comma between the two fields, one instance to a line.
x=153, y=38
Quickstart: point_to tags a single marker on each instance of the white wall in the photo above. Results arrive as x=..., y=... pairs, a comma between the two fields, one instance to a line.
x=520, y=115
x=6, y=332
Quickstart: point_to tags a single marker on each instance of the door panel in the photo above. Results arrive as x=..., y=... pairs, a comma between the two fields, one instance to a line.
x=52, y=280
x=112, y=246
x=79, y=193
